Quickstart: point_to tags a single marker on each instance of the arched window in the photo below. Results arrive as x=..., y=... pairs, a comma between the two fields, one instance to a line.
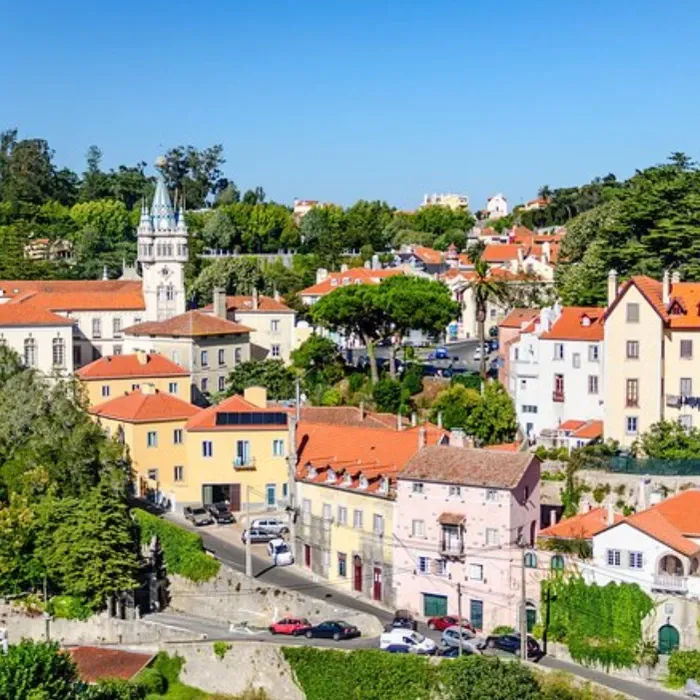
x=170, y=292
x=530, y=560
x=557, y=563
x=59, y=352
x=30, y=352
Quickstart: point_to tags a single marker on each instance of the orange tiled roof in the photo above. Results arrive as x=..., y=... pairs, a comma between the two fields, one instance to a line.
x=348, y=415
x=206, y=419
x=190, y=324
x=138, y=407
x=356, y=275
x=499, y=252
x=582, y=526
x=590, y=430
x=125, y=366
x=30, y=315
x=99, y=663
x=650, y=289
x=77, y=295
x=505, y=447
x=245, y=303
x=517, y=317
x=577, y=323
x=428, y=255
x=571, y=424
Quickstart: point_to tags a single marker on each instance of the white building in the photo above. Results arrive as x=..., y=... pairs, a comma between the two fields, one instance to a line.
x=497, y=206
x=556, y=370
x=446, y=199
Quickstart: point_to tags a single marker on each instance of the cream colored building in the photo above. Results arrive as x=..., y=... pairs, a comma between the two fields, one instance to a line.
x=446, y=199
x=652, y=331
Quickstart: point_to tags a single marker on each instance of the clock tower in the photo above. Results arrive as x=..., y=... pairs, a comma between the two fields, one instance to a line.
x=162, y=254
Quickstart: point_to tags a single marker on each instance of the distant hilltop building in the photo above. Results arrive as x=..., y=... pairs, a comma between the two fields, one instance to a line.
x=496, y=206
x=450, y=200
x=45, y=249
x=538, y=203
x=303, y=207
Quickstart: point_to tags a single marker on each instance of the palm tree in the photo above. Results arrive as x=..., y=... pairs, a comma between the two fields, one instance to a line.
x=545, y=193
x=486, y=289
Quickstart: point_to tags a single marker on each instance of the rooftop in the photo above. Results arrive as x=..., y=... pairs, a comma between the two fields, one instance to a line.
x=355, y=275
x=246, y=303
x=134, y=365
x=348, y=416
x=99, y=663
x=207, y=418
x=581, y=526
x=27, y=314
x=189, y=325
x=577, y=323
x=517, y=317
x=75, y=295
x=144, y=407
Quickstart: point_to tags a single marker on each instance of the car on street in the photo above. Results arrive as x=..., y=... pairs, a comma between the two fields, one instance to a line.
x=293, y=626
x=332, y=629
x=455, y=637
x=272, y=525
x=479, y=351
x=442, y=622
x=257, y=536
x=452, y=652
x=511, y=644
x=404, y=619
x=280, y=552
x=414, y=643
x=221, y=513
x=198, y=515
x=440, y=353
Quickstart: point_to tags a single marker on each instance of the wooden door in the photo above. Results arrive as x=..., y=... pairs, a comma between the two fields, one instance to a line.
x=235, y=498
x=377, y=584
x=307, y=555
x=357, y=578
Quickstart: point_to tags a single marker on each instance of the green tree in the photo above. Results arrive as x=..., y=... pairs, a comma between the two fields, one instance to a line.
x=456, y=404
x=323, y=232
x=272, y=374
x=670, y=440
x=195, y=174
x=366, y=224
x=235, y=275
x=387, y=395
x=493, y=420
x=219, y=231
x=476, y=677
x=319, y=362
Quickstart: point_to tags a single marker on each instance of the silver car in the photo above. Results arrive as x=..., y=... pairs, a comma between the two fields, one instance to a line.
x=198, y=515
x=274, y=526
x=456, y=637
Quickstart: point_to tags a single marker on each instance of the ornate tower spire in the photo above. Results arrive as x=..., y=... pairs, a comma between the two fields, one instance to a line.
x=162, y=211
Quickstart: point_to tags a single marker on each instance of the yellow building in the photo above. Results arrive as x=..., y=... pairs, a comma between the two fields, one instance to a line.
x=652, y=330
x=236, y=449
x=116, y=375
x=346, y=493
x=152, y=425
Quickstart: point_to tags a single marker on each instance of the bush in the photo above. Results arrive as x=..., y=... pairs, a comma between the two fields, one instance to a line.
x=331, y=397
x=502, y=629
x=69, y=607
x=387, y=395
x=477, y=677
x=151, y=681
x=168, y=666
x=412, y=380
x=683, y=665
x=356, y=381
x=183, y=550
x=220, y=649
x=114, y=690
x=470, y=381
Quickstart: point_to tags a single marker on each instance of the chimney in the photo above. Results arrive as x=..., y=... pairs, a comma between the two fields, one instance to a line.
x=344, y=267
x=219, y=305
x=610, y=514
x=666, y=287
x=362, y=410
x=399, y=422
x=376, y=265
x=257, y=395
x=255, y=298
x=612, y=286
x=321, y=275
x=546, y=251
x=675, y=277
x=414, y=419
x=368, y=265
x=105, y=274
x=421, y=437
x=553, y=517
x=277, y=296
x=439, y=419
x=457, y=437
x=585, y=506
x=142, y=357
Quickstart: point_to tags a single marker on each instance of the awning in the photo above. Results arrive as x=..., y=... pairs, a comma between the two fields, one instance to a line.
x=451, y=518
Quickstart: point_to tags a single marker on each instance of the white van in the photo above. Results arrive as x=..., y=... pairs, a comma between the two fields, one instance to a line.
x=408, y=640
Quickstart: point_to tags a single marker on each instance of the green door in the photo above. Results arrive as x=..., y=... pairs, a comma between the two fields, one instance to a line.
x=669, y=639
x=531, y=616
x=434, y=605
x=476, y=614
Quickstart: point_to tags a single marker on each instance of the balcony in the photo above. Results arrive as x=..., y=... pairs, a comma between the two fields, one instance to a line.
x=243, y=464
x=670, y=583
x=451, y=548
x=558, y=396
x=631, y=402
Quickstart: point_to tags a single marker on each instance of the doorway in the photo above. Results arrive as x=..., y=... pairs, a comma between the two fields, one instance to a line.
x=434, y=605
x=530, y=616
x=669, y=639
x=377, y=584
x=307, y=555
x=357, y=573
x=222, y=493
x=271, y=495
x=476, y=614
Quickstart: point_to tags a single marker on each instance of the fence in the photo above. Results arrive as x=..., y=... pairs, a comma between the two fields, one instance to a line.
x=653, y=467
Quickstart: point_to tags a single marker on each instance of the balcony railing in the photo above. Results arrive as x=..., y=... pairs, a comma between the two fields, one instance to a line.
x=558, y=396
x=631, y=402
x=452, y=548
x=240, y=464
x=669, y=582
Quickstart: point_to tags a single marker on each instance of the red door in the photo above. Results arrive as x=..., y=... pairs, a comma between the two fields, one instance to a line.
x=358, y=574
x=377, y=584
x=307, y=555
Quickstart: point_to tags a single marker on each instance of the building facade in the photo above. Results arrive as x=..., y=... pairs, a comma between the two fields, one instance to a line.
x=456, y=202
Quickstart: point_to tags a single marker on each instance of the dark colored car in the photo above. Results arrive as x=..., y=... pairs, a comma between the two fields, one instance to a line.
x=404, y=619
x=397, y=649
x=444, y=621
x=333, y=629
x=451, y=652
x=511, y=644
x=291, y=625
x=221, y=513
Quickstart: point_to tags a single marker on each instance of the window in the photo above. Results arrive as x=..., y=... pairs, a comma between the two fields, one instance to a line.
x=342, y=565
x=440, y=567
x=207, y=448
x=491, y=495
x=686, y=386
x=59, y=352
x=274, y=325
x=204, y=384
x=476, y=572
x=632, y=349
x=237, y=355
x=169, y=290
x=529, y=408
x=152, y=438
x=592, y=383
x=204, y=358
x=30, y=352
x=576, y=360
x=357, y=519
x=278, y=448
x=135, y=387
x=631, y=425
x=423, y=565
x=593, y=353
x=275, y=350
x=221, y=356
x=117, y=350
x=172, y=388
x=105, y=390
x=558, y=387
x=326, y=511
x=455, y=491
x=686, y=422
x=491, y=536
x=417, y=487
x=178, y=473
x=613, y=557
x=242, y=452
x=636, y=560
x=96, y=328
x=177, y=436
x=152, y=474
x=686, y=349
x=137, y=319
x=222, y=383
x=530, y=560
x=523, y=383
x=558, y=351
x=117, y=327
x=342, y=515
x=378, y=524
x=96, y=352
x=632, y=392
x=557, y=562
x=417, y=528
x=632, y=313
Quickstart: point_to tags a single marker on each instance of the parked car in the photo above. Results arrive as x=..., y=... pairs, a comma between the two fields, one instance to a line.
x=493, y=345
x=455, y=636
x=397, y=649
x=451, y=652
x=414, y=642
x=257, y=536
x=198, y=515
x=440, y=353
x=272, y=525
x=511, y=644
x=293, y=626
x=221, y=513
x=333, y=629
x=280, y=552
x=443, y=622
x=405, y=620
x=479, y=351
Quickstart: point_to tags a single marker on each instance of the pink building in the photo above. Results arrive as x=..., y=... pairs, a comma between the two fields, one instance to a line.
x=509, y=330
x=460, y=513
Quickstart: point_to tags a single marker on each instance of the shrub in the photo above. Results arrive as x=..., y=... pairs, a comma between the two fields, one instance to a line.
x=152, y=681
x=69, y=607
x=183, y=550
x=114, y=689
x=470, y=381
x=683, y=665
x=356, y=381
x=331, y=397
x=412, y=380
x=503, y=629
x=552, y=476
x=387, y=395
x=168, y=666
x=220, y=649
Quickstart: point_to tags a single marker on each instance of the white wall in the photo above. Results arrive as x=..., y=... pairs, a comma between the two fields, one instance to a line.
x=14, y=337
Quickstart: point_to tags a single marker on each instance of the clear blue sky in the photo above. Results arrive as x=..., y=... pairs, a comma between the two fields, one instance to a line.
x=368, y=99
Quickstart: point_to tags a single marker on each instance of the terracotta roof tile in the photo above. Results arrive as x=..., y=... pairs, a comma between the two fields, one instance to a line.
x=581, y=526
x=190, y=324
x=98, y=663
x=591, y=430
x=125, y=366
x=356, y=275
x=245, y=303
x=517, y=317
x=78, y=295
x=139, y=407
x=428, y=255
x=27, y=314
x=571, y=424
x=451, y=518
x=348, y=415
x=500, y=252
x=206, y=419
x=505, y=447
x=577, y=323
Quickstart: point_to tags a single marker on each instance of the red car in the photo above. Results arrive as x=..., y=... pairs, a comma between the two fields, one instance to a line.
x=291, y=625
x=445, y=621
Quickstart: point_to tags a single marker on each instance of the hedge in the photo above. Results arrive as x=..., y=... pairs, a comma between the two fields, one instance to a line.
x=183, y=550
x=683, y=665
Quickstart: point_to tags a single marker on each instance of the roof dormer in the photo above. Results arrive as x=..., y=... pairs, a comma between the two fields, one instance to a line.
x=347, y=480
x=330, y=476
x=312, y=472
x=363, y=483
x=676, y=307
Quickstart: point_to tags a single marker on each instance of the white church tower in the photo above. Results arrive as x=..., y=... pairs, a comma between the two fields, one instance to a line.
x=162, y=253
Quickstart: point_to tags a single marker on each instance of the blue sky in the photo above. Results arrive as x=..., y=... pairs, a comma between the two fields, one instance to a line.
x=346, y=100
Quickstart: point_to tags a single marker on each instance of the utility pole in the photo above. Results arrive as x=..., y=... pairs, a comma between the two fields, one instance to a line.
x=248, y=553
x=459, y=617
x=523, y=604
x=47, y=617
x=291, y=475
x=297, y=389
x=545, y=631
